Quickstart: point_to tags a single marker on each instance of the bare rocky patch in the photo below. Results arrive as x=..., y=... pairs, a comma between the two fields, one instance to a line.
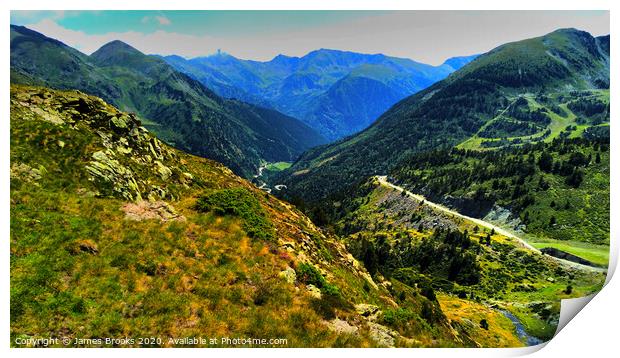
x=149, y=210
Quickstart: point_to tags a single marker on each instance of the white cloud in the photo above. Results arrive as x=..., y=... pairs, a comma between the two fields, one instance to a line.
x=162, y=20
x=428, y=37
x=159, y=42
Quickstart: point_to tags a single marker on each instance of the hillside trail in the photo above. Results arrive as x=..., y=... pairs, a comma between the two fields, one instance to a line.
x=384, y=181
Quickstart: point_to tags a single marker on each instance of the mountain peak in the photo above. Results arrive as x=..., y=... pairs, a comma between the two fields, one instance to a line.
x=114, y=52
x=117, y=45
x=174, y=58
x=284, y=60
x=570, y=31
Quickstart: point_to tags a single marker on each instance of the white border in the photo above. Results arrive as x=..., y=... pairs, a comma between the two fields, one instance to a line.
x=591, y=333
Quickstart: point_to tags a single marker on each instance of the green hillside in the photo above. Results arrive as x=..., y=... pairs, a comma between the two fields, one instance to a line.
x=467, y=266
x=556, y=191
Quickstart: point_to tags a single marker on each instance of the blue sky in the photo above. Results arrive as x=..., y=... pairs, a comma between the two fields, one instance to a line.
x=225, y=23
x=426, y=36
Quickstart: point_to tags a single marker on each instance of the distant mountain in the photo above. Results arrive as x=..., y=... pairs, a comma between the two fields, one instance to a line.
x=335, y=92
x=527, y=91
x=458, y=62
x=179, y=109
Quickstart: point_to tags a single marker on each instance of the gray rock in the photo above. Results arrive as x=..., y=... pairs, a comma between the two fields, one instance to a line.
x=314, y=291
x=366, y=310
x=289, y=275
x=382, y=335
x=24, y=172
x=164, y=171
x=340, y=326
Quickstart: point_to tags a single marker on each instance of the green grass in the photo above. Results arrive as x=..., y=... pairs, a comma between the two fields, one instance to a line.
x=597, y=254
x=558, y=123
x=278, y=166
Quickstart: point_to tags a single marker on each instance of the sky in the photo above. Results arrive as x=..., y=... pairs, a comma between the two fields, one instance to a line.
x=425, y=36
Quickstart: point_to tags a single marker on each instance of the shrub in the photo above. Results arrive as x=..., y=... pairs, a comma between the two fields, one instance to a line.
x=262, y=294
x=484, y=324
x=427, y=291
x=427, y=312
x=330, y=290
x=398, y=317
x=309, y=274
x=239, y=202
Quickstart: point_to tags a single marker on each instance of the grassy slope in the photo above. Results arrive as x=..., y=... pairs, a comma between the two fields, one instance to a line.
x=81, y=269
x=279, y=166
x=500, y=331
x=558, y=123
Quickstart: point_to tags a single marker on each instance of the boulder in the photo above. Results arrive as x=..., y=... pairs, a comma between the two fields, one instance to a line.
x=340, y=326
x=314, y=291
x=25, y=172
x=382, y=335
x=164, y=171
x=366, y=310
x=289, y=275
x=88, y=246
x=146, y=210
x=110, y=173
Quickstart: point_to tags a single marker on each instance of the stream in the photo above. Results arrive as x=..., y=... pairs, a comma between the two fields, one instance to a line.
x=521, y=333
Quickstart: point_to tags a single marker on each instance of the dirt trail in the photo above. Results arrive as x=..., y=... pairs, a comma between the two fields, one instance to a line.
x=383, y=181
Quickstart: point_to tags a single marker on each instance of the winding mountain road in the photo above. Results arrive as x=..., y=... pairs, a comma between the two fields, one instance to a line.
x=384, y=181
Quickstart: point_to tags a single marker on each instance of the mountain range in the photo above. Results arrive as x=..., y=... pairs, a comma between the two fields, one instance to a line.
x=178, y=108
x=461, y=217
x=337, y=93
x=458, y=109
